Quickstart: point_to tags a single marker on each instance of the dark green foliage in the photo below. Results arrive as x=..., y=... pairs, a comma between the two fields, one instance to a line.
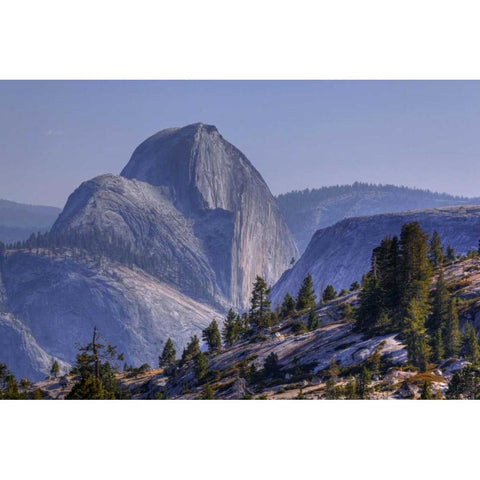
x=260, y=314
x=233, y=328
x=343, y=292
x=331, y=390
x=438, y=352
x=450, y=255
x=288, y=306
x=436, y=254
x=299, y=327
x=55, y=370
x=465, y=384
x=416, y=336
x=191, y=350
x=363, y=382
x=313, y=320
x=167, y=358
x=452, y=336
x=97, y=374
x=8, y=384
x=438, y=317
x=212, y=336
x=329, y=294
x=89, y=388
x=306, y=297
x=200, y=366
x=348, y=311
x=37, y=394
x=271, y=368
x=470, y=344
x=351, y=389
x=208, y=393
x=426, y=391
x=354, y=286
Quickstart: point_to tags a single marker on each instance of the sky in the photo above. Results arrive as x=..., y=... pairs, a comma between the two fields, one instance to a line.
x=298, y=134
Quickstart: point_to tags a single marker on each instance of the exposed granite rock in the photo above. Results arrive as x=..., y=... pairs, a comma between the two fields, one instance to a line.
x=55, y=301
x=340, y=255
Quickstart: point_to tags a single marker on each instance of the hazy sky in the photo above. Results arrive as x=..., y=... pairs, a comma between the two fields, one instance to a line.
x=298, y=134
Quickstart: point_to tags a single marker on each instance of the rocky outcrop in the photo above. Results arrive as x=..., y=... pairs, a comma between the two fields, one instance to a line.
x=310, y=210
x=194, y=203
x=340, y=255
x=56, y=300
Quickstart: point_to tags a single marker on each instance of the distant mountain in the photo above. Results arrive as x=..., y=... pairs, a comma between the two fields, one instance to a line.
x=341, y=254
x=156, y=252
x=308, y=210
x=18, y=221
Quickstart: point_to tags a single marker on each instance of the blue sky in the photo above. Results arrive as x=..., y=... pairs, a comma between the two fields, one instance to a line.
x=298, y=134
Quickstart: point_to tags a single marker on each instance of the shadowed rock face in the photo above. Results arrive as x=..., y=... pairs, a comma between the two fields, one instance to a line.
x=193, y=200
x=340, y=254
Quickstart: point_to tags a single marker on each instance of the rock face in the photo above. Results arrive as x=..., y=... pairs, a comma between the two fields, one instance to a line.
x=309, y=210
x=340, y=255
x=19, y=221
x=55, y=301
x=194, y=201
x=193, y=213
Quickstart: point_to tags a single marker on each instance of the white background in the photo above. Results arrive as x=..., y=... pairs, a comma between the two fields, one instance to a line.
x=243, y=40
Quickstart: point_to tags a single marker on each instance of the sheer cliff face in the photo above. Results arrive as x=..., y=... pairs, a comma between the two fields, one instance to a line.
x=340, y=254
x=194, y=201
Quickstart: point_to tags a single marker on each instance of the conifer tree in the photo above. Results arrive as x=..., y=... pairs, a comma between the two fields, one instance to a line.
x=438, y=317
x=232, y=328
x=167, y=358
x=306, y=297
x=329, y=294
x=313, y=320
x=450, y=255
x=416, y=335
x=438, y=351
x=452, y=337
x=212, y=336
x=363, y=383
x=426, y=391
x=354, y=286
x=191, y=350
x=288, y=306
x=270, y=365
x=436, y=254
x=351, y=389
x=260, y=304
x=200, y=366
x=470, y=344
x=54, y=370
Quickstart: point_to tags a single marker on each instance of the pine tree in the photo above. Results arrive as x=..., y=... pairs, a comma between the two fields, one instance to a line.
x=436, y=254
x=167, y=358
x=351, y=389
x=438, y=317
x=363, y=383
x=452, y=337
x=470, y=344
x=329, y=294
x=208, y=393
x=438, y=351
x=354, y=287
x=270, y=365
x=212, y=336
x=313, y=320
x=200, y=366
x=416, y=335
x=426, y=391
x=306, y=297
x=450, y=256
x=233, y=328
x=288, y=306
x=191, y=350
x=55, y=370
x=260, y=304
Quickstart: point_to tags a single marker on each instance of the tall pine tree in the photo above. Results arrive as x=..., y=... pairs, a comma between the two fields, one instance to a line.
x=306, y=297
